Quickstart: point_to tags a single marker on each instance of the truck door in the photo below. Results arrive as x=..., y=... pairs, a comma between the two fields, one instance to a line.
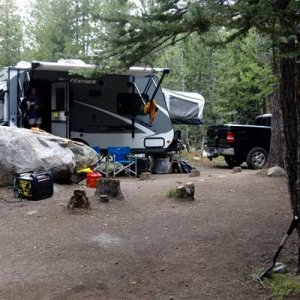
x=60, y=109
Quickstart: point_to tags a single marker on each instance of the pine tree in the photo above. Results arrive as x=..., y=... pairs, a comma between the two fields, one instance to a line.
x=63, y=29
x=10, y=33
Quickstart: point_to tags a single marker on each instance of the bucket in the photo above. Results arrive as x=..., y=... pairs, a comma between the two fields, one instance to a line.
x=92, y=179
x=160, y=166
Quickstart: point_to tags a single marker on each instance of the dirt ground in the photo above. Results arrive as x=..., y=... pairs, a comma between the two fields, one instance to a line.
x=147, y=246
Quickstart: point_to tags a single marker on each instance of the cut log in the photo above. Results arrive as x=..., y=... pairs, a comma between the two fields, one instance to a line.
x=110, y=188
x=180, y=191
x=186, y=191
x=79, y=200
x=190, y=190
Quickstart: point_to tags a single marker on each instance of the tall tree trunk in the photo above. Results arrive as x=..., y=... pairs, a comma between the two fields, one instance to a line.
x=276, y=145
x=298, y=145
x=289, y=103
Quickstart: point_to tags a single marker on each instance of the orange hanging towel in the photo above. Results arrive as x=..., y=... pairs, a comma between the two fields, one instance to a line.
x=151, y=108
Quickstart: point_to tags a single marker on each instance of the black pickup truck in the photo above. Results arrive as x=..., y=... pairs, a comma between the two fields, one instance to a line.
x=241, y=143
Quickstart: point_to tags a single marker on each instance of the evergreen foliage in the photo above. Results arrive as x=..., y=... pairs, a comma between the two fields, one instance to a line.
x=10, y=33
x=62, y=29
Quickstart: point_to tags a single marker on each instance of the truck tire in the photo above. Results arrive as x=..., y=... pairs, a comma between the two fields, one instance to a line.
x=233, y=161
x=257, y=158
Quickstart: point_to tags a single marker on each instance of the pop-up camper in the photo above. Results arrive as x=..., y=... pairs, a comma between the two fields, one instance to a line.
x=105, y=111
x=185, y=107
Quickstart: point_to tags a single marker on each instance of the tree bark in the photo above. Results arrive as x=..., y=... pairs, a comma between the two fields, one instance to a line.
x=79, y=200
x=289, y=103
x=109, y=189
x=276, y=144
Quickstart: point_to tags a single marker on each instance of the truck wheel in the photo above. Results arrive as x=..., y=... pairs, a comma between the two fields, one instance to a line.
x=233, y=161
x=257, y=158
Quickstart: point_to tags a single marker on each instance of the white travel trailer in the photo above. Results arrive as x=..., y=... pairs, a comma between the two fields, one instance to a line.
x=104, y=111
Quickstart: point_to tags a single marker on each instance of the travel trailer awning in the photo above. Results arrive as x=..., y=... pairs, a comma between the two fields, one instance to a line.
x=71, y=64
x=184, y=107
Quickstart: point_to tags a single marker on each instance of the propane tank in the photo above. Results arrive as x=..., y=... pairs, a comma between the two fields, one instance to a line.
x=92, y=179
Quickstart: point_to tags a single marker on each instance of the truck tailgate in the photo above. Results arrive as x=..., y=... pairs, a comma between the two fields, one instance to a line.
x=216, y=136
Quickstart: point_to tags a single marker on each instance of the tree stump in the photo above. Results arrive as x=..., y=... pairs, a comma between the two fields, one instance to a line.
x=108, y=188
x=186, y=191
x=79, y=200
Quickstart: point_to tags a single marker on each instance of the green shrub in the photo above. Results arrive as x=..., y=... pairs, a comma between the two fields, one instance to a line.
x=281, y=286
x=173, y=193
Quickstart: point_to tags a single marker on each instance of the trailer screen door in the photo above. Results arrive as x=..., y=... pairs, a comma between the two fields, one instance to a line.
x=60, y=109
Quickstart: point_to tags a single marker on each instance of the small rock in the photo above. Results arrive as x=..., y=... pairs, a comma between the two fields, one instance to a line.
x=280, y=268
x=61, y=204
x=133, y=282
x=262, y=172
x=236, y=170
x=32, y=212
x=276, y=172
x=145, y=176
x=197, y=158
x=194, y=173
x=104, y=198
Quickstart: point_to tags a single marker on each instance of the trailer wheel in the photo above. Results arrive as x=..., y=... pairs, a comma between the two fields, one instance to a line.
x=257, y=158
x=233, y=161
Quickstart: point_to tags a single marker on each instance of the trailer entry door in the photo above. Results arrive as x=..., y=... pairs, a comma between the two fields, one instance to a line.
x=60, y=109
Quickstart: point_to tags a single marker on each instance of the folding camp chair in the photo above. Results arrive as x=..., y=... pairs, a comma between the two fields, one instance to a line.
x=103, y=163
x=122, y=160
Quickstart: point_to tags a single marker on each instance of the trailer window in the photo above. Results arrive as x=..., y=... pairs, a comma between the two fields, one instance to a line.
x=60, y=99
x=130, y=104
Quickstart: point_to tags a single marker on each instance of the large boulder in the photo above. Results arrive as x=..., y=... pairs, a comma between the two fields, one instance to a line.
x=24, y=150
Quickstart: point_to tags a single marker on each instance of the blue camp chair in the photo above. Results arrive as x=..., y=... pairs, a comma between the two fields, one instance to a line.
x=122, y=160
x=103, y=162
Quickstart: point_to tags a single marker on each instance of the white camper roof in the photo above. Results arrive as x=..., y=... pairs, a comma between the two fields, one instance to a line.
x=185, y=107
x=66, y=65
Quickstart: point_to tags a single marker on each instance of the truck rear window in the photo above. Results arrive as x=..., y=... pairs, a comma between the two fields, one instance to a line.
x=263, y=121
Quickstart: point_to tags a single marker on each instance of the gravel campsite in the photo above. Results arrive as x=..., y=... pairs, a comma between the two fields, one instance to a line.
x=147, y=246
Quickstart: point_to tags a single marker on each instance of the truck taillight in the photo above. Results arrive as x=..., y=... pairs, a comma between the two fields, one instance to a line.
x=230, y=137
